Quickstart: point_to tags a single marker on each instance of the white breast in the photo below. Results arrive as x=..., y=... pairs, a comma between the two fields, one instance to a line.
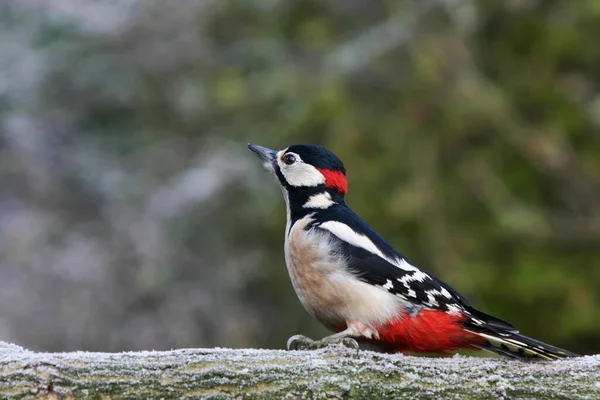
x=326, y=288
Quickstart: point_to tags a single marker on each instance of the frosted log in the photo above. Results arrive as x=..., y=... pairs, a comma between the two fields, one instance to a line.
x=334, y=372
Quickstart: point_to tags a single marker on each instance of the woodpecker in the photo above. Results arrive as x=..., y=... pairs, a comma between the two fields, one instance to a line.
x=356, y=284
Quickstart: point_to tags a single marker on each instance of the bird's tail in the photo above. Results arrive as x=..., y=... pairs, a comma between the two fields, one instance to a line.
x=515, y=345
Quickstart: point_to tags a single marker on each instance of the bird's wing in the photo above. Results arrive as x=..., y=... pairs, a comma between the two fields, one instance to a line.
x=400, y=278
x=376, y=262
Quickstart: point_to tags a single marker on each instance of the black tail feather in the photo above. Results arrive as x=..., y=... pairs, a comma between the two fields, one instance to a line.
x=504, y=339
x=515, y=345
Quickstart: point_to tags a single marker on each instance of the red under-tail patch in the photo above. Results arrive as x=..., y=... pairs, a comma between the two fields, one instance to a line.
x=335, y=180
x=429, y=331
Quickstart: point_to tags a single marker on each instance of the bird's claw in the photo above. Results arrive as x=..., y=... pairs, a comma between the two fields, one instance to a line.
x=301, y=342
x=349, y=343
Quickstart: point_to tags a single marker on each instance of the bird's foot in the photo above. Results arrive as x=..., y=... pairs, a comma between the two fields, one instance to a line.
x=301, y=342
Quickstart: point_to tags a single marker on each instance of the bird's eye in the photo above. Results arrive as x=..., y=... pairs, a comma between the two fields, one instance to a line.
x=289, y=159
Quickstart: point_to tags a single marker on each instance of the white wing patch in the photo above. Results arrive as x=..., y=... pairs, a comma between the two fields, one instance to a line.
x=417, y=275
x=405, y=265
x=454, y=309
x=321, y=200
x=347, y=234
x=431, y=297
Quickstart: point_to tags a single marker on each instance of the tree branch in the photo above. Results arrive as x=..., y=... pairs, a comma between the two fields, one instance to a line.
x=334, y=372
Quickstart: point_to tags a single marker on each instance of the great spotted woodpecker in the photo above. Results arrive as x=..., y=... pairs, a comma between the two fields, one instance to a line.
x=356, y=284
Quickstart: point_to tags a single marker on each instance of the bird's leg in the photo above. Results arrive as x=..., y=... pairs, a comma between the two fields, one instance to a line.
x=345, y=338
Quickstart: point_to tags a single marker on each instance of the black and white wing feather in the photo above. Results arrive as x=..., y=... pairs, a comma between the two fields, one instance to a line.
x=376, y=262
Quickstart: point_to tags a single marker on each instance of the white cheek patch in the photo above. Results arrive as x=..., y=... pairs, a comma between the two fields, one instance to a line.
x=300, y=174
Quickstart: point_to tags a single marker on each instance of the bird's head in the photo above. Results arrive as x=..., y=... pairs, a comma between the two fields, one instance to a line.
x=305, y=168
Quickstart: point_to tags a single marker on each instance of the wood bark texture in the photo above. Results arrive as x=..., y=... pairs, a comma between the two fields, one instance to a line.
x=331, y=373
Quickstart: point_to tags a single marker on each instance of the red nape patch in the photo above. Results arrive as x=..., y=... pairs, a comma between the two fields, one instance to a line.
x=429, y=331
x=335, y=180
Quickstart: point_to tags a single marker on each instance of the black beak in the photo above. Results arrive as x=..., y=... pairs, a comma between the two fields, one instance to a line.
x=267, y=155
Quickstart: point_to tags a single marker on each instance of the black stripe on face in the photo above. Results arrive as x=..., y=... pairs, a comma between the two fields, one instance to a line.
x=280, y=176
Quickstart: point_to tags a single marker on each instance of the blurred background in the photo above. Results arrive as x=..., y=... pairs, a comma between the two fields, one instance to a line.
x=132, y=215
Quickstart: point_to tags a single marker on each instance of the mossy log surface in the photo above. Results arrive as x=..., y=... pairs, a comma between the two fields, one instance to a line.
x=333, y=372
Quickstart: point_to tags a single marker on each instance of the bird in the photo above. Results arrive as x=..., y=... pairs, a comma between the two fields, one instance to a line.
x=359, y=286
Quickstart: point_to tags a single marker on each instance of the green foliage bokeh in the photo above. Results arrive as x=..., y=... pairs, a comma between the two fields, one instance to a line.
x=470, y=132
